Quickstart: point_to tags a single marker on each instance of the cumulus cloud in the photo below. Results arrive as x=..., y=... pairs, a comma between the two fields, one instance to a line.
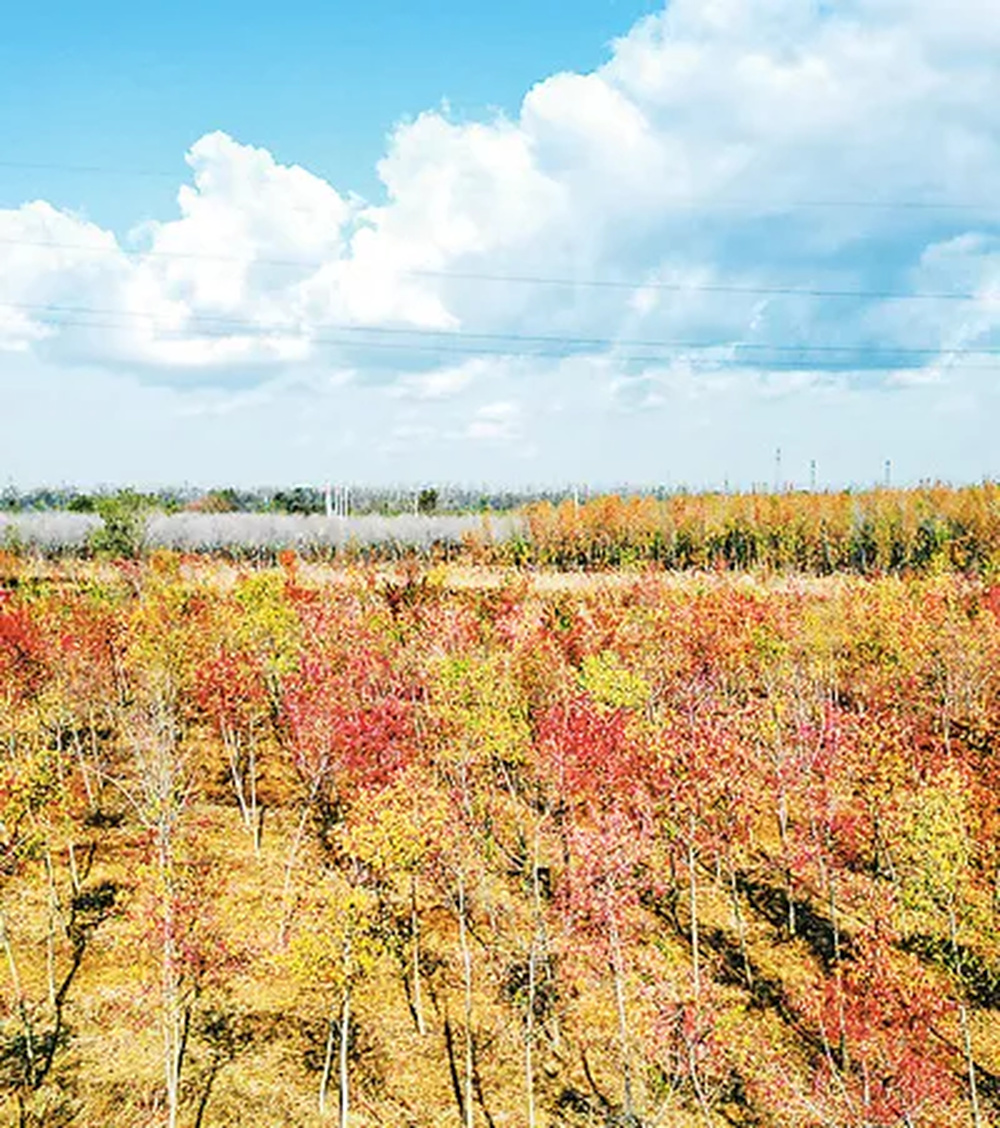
x=725, y=178
x=439, y=384
x=495, y=422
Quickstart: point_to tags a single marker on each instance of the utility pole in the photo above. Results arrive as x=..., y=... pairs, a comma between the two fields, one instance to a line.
x=888, y=473
x=812, y=475
x=777, y=470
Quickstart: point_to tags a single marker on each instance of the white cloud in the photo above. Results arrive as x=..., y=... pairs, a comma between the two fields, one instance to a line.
x=678, y=169
x=495, y=422
x=442, y=383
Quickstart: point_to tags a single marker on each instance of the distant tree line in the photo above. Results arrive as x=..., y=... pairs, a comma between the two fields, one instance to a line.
x=387, y=500
x=301, y=499
x=879, y=531
x=934, y=528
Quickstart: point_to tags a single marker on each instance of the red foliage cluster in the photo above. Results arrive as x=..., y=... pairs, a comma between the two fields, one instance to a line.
x=691, y=847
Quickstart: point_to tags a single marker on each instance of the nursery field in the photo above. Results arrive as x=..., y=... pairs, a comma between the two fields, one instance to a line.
x=426, y=845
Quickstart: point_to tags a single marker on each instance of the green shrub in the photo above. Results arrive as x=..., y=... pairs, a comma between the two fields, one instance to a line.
x=123, y=533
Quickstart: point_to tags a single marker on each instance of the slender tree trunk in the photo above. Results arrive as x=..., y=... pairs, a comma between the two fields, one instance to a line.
x=693, y=911
x=342, y=1039
x=699, y=1089
x=828, y=878
x=695, y=940
x=74, y=871
x=22, y=1007
x=256, y=812
x=324, y=1080
x=467, y=982
x=172, y=1016
x=158, y=799
x=783, y=834
x=866, y=1090
x=963, y=1018
x=344, y=1094
x=50, y=933
x=345, y=1031
x=244, y=780
x=529, y=1039
x=618, y=974
x=286, y=889
x=838, y=965
x=418, y=1009
x=529, y=1028
x=81, y=760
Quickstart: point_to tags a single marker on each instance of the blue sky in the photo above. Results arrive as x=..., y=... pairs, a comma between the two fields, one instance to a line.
x=506, y=243
x=129, y=87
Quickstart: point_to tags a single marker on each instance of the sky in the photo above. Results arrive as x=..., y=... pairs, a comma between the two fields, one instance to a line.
x=518, y=244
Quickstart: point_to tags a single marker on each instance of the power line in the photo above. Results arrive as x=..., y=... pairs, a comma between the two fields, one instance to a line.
x=448, y=348
x=706, y=288
x=535, y=280
x=260, y=328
